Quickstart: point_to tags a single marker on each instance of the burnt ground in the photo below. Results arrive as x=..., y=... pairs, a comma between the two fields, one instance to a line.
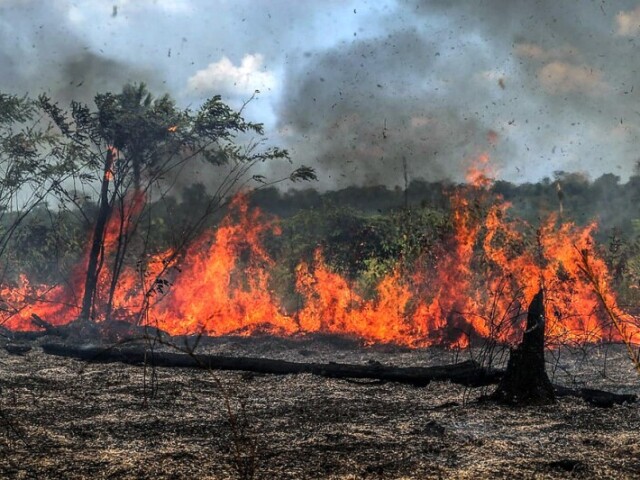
x=61, y=418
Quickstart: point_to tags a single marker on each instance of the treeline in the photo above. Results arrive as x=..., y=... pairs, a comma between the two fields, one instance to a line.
x=360, y=229
x=612, y=203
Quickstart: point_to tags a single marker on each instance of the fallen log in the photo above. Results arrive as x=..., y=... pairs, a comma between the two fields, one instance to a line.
x=468, y=373
x=595, y=397
x=108, y=331
x=48, y=328
x=17, y=348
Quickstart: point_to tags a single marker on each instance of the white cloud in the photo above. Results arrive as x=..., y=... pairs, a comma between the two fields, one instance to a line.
x=75, y=15
x=628, y=23
x=224, y=77
x=175, y=6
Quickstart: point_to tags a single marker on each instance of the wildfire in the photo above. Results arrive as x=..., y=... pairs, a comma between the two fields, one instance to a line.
x=479, y=174
x=477, y=288
x=112, y=156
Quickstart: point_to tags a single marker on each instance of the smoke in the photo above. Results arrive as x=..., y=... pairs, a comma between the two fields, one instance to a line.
x=40, y=52
x=82, y=74
x=542, y=86
x=363, y=88
x=368, y=107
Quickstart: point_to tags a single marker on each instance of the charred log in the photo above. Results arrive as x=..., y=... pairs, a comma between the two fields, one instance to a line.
x=19, y=336
x=75, y=331
x=595, y=397
x=468, y=373
x=525, y=381
x=17, y=348
x=48, y=328
x=109, y=331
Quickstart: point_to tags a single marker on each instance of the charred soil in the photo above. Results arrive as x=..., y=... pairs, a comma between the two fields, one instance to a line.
x=61, y=418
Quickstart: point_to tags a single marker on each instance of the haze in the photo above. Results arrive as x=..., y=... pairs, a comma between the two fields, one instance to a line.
x=357, y=88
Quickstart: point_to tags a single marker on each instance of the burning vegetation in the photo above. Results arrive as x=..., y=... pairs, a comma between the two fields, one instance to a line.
x=476, y=285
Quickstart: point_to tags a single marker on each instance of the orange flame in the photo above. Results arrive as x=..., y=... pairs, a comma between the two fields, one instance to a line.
x=112, y=156
x=478, y=288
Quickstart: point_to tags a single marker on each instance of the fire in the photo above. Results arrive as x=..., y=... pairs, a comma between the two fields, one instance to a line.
x=332, y=306
x=479, y=173
x=477, y=289
x=112, y=156
x=214, y=294
x=61, y=304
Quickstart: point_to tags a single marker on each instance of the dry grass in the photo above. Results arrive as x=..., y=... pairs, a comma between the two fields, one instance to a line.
x=66, y=419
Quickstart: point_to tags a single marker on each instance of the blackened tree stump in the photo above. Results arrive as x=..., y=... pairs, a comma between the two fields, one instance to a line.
x=525, y=381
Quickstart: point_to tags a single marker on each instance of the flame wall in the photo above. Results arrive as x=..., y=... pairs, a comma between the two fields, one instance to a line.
x=222, y=285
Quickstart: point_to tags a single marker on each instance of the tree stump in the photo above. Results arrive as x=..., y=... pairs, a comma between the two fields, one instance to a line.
x=525, y=381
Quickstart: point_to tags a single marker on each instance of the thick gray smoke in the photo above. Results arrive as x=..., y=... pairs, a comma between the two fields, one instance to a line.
x=368, y=107
x=39, y=53
x=541, y=86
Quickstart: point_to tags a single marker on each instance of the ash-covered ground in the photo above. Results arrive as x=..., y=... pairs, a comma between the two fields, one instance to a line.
x=61, y=418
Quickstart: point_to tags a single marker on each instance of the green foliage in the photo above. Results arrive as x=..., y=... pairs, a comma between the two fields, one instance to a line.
x=363, y=247
x=303, y=173
x=153, y=135
x=14, y=109
x=623, y=255
x=25, y=150
x=134, y=146
x=30, y=172
x=47, y=246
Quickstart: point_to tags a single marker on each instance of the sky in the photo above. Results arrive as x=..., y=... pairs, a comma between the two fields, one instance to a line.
x=358, y=89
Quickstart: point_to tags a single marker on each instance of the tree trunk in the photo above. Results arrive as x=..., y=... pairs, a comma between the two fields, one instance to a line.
x=118, y=261
x=97, y=244
x=525, y=381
